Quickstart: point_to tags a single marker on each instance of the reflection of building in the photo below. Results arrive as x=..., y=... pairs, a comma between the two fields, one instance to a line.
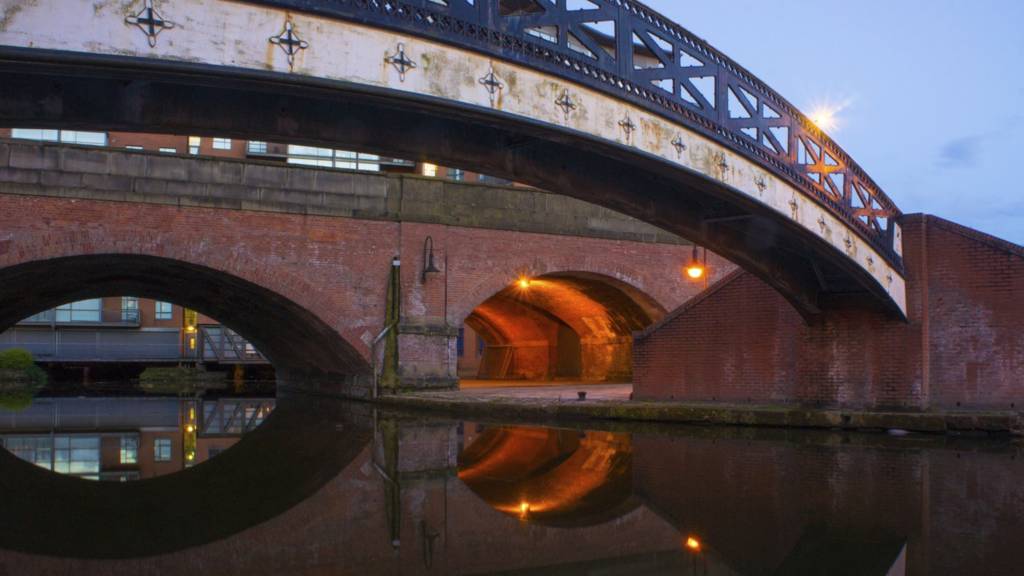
x=127, y=438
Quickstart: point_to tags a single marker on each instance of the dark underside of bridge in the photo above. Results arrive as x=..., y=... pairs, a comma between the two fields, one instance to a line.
x=119, y=93
x=303, y=349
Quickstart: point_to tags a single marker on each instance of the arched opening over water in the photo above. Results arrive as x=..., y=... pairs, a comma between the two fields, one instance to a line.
x=566, y=326
x=304, y=350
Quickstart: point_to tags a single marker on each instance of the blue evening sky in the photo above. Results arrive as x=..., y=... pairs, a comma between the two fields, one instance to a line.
x=933, y=90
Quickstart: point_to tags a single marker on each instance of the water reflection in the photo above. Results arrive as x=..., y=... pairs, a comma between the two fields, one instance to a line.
x=330, y=487
x=127, y=438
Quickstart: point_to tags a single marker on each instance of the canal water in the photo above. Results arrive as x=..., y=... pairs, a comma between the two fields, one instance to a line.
x=113, y=481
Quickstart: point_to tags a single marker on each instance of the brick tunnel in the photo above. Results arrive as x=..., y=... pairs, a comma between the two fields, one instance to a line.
x=558, y=327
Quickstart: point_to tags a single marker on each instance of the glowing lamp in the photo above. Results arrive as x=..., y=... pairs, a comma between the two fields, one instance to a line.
x=692, y=544
x=523, y=282
x=524, y=508
x=695, y=269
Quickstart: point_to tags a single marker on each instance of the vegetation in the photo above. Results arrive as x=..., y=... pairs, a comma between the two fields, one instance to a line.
x=180, y=380
x=20, y=379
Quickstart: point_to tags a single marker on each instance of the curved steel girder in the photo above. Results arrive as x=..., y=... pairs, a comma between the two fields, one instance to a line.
x=625, y=49
x=125, y=94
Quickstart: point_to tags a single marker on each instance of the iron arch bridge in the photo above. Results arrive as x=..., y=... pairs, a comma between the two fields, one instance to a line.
x=605, y=100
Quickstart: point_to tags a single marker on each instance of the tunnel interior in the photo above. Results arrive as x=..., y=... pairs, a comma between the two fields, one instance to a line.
x=303, y=349
x=560, y=327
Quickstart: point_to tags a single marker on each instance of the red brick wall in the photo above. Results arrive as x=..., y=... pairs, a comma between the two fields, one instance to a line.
x=961, y=347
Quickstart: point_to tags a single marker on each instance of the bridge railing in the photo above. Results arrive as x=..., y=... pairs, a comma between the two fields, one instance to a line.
x=626, y=49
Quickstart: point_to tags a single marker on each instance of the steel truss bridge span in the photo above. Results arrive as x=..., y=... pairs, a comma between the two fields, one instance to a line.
x=604, y=100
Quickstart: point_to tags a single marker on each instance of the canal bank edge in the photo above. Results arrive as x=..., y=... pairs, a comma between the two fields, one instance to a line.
x=993, y=423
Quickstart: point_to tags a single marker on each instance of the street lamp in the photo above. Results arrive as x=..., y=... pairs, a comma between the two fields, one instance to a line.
x=428, y=259
x=697, y=269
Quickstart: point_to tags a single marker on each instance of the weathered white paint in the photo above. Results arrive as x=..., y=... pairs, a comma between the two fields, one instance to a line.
x=226, y=33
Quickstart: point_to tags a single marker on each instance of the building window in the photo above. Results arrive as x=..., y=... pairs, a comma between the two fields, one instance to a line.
x=460, y=343
x=193, y=144
x=456, y=174
x=129, y=309
x=36, y=134
x=82, y=311
x=168, y=150
x=66, y=136
x=162, y=449
x=429, y=169
x=134, y=148
x=257, y=147
x=129, y=450
x=164, y=311
x=222, y=143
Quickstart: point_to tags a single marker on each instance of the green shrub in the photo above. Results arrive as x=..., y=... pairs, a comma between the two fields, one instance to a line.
x=16, y=359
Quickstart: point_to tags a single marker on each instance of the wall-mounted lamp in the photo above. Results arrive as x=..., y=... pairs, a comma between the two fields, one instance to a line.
x=428, y=259
x=696, y=269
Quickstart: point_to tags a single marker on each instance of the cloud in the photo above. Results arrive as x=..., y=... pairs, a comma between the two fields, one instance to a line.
x=961, y=152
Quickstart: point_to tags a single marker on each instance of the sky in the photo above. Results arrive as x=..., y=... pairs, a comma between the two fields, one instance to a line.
x=932, y=92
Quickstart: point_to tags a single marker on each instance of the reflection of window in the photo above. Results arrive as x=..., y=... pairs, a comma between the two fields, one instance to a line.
x=35, y=449
x=164, y=311
x=162, y=449
x=222, y=143
x=76, y=454
x=129, y=450
x=82, y=311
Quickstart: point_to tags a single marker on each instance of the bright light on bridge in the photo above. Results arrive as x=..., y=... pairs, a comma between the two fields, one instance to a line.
x=824, y=117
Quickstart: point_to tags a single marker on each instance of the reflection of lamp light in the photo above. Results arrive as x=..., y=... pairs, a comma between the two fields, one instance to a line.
x=428, y=258
x=695, y=269
x=524, y=509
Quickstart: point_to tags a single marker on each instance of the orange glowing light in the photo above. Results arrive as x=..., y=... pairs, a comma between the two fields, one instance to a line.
x=692, y=544
x=524, y=508
x=523, y=282
x=695, y=271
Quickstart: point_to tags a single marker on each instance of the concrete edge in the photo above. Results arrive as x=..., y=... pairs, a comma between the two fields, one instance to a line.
x=988, y=422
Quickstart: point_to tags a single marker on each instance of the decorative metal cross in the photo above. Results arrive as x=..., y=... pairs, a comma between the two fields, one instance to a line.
x=290, y=42
x=493, y=85
x=565, y=103
x=401, y=62
x=628, y=127
x=150, y=22
x=679, y=145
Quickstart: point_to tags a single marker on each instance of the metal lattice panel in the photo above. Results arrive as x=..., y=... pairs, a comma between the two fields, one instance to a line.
x=626, y=49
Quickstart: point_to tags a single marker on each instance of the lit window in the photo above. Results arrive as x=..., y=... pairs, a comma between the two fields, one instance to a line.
x=222, y=143
x=429, y=169
x=168, y=150
x=257, y=147
x=164, y=311
x=134, y=148
x=35, y=134
x=84, y=138
x=129, y=309
x=456, y=174
x=162, y=449
x=82, y=311
x=193, y=144
x=129, y=450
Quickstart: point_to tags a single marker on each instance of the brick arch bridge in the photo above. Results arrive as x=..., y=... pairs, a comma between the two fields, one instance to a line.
x=529, y=91
x=298, y=259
